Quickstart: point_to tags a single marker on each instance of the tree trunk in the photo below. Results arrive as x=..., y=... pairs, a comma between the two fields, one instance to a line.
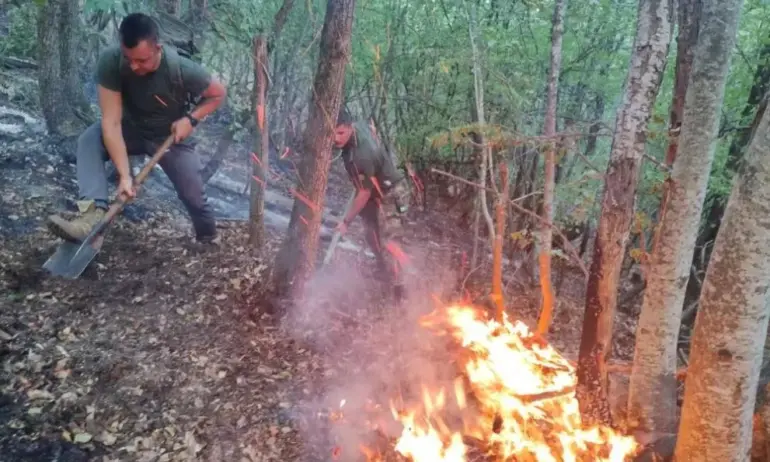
x=220, y=153
x=486, y=157
x=689, y=12
x=497, y=253
x=755, y=107
x=261, y=152
x=172, y=7
x=648, y=61
x=64, y=104
x=652, y=392
x=731, y=325
x=549, y=131
x=296, y=259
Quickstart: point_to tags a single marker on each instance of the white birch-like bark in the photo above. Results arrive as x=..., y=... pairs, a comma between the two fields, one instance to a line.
x=478, y=84
x=652, y=392
x=731, y=324
x=654, y=25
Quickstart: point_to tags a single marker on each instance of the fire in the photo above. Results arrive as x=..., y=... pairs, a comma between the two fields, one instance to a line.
x=521, y=405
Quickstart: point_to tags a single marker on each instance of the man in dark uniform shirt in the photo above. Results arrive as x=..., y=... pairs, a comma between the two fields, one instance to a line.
x=382, y=195
x=144, y=93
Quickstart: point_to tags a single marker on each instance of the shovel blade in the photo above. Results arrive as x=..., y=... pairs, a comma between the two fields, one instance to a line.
x=71, y=259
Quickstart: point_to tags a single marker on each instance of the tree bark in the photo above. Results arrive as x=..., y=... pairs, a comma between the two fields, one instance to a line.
x=261, y=159
x=220, y=153
x=652, y=392
x=731, y=325
x=64, y=104
x=485, y=162
x=549, y=131
x=689, y=13
x=648, y=61
x=688, y=19
x=172, y=7
x=296, y=260
x=497, y=253
x=756, y=104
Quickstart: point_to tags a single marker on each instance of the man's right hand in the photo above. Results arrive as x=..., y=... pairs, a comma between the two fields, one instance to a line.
x=126, y=189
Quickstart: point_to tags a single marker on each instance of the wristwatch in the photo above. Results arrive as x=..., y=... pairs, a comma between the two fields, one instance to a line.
x=193, y=120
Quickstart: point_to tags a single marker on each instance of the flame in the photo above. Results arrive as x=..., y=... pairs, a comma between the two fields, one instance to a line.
x=521, y=405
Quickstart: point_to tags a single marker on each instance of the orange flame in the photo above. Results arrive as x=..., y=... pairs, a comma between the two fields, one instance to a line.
x=521, y=403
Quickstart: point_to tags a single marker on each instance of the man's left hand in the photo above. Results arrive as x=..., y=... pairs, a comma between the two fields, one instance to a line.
x=181, y=129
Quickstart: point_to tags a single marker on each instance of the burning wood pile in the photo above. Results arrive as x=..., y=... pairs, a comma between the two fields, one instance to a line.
x=513, y=401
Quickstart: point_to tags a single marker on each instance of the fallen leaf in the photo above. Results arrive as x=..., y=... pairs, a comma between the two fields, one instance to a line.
x=83, y=438
x=107, y=438
x=39, y=394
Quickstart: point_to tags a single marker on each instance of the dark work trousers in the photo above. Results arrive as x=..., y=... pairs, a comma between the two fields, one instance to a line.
x=181, y=164
x=383, y=222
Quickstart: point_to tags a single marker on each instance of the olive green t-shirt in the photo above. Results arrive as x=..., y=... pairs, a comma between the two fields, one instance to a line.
x=149, y=102
x=365, y=159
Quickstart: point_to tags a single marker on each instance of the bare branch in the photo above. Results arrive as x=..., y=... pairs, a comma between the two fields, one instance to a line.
x=573, y=253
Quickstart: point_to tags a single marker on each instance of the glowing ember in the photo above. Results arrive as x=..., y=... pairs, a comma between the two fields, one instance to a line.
x=521, y=403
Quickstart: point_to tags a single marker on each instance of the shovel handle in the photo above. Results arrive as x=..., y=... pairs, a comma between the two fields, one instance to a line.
x=121, y=201
x=336, y=237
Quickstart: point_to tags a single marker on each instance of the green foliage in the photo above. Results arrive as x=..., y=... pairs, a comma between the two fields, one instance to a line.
x=21, y=41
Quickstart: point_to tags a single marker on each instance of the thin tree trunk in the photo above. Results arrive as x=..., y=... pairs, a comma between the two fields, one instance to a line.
x=752, y=113
x=261, y=159
x=172, y=7
x=731, y=325
x=478, y=84
x=476, y=232
x=653, y=33
x=689, y=13
x=549, y=131
x=497, y=253
x=220, y=153
x=296, y=260
x=64, y=105
x=652, y=393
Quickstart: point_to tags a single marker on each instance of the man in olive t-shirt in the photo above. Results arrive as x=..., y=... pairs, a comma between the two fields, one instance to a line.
x=145, y=90
x=382, y=195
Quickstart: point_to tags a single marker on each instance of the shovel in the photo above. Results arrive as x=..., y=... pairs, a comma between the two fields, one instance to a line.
x=71, y=259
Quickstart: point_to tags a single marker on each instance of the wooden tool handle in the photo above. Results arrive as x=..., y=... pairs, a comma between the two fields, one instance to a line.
x=121, y=201
x=336, y=237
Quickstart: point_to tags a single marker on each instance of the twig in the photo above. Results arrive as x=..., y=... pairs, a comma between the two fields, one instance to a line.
x=570, y=248
x=540, y=139
x=465, y=280
x=588, y=162
x=535, y=397
x=10, y=62
x=657, y=163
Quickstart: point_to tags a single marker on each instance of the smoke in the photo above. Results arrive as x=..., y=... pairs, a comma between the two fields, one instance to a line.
x=374, y=350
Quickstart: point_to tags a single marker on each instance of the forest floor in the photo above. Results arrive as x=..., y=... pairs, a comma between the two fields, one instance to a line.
x=164, y=350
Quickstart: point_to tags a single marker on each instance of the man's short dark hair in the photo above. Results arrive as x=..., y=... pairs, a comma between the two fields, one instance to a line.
x=344, y=117
x=137, y=27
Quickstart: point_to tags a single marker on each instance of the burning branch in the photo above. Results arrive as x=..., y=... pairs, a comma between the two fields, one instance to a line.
x=515, y=401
